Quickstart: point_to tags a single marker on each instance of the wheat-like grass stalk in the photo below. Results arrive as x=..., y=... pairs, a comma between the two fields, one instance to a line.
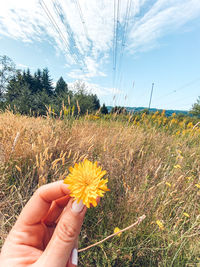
x=139, y=220
x=15, y=142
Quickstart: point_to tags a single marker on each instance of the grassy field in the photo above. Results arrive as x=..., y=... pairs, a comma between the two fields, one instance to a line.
x=153, y=166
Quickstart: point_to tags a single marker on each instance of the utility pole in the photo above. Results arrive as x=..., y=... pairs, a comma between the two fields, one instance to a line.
x=151, y=95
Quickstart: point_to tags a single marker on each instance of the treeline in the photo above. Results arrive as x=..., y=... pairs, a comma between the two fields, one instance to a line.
x=33, y=94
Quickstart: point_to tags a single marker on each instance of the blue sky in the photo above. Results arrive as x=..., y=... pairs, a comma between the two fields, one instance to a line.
x=118, y=48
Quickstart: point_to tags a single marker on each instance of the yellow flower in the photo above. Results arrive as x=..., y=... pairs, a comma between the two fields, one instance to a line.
x=163, y=113
x=177, y=166
x=160, y=224
x=186, y=214
x=117, y=230
x=174, y=121
x=85, y=183
x=190, y=125
x=197, y=185
x=168, y=184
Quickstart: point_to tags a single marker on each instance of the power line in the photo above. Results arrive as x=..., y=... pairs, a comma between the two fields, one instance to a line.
x=62, y=17
x=115, y=39
x=53, y=22
x=123, y=30
x=83, y=23
x=179, y=100
x=114, y=32
x=179, y=89
x=123, y=41
x=114, y=36
x=82, y=18
x=56, y=27
x=117, y=32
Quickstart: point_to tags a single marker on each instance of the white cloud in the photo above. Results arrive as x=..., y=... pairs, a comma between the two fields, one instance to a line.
x=163, y=17
x=22, y=66
x=93, y=88
x=85, y=33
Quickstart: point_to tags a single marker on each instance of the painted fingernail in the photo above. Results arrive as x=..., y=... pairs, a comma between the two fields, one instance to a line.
x=77, y=207
x=75, y=256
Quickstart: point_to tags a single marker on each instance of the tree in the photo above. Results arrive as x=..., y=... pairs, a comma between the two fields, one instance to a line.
x=61, y=86
x=29, y=79
x=119, y=110
x=37, y=81
x=14, y=88
x=47, y=82
x=7, y=71
x=22, y=94
x=196, y=108
x=95, y=101
x=104, y=109
x=18, y=94
x=88, y=102
x=27, y=92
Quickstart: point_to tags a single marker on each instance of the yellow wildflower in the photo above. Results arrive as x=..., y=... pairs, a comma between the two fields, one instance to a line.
x=183, y=132
x=154, y=116
x=190, y=125
x=85, y=183
x=95, y=117
x=160, y=224
x=168, y=184
x=186, y=214
x=197, y=185
x=117, y=230
x=143, y=115
x=174, y=121
x=177, y=166
x=163, y=113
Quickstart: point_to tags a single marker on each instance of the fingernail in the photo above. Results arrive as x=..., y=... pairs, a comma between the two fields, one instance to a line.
x=77, y=207
x=75, y=256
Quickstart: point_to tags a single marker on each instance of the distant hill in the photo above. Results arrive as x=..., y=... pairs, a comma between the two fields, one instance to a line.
x=168, y=112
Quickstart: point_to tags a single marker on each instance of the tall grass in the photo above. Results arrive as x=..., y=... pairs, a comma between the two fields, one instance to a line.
x=151, y=171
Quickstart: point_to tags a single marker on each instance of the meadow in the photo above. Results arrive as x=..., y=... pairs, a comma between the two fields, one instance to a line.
x=153, y=167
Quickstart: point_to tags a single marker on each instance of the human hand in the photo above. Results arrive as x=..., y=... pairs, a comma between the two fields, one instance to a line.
x=46, y=232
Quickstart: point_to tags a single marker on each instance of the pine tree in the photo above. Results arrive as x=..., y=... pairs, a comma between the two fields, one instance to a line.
x=25, y=96
x=196, y=108
x=37, y=81
x=14, y=87
x=61, y=86
x=47, y=82
x=95, y=100
x=29, y=79
x=104, y=109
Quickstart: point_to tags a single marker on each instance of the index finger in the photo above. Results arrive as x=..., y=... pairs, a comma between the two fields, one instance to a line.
x=39, y=204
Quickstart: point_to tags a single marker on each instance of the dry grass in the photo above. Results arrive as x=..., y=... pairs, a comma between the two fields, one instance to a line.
x=150, y=172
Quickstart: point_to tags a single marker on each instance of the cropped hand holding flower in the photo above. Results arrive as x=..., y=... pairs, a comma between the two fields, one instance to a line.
x=46, y=232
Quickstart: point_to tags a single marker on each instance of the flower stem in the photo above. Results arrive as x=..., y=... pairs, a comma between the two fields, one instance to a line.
x=139, y=220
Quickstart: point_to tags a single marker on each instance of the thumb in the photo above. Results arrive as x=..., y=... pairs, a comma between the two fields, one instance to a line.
x=59, y=248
